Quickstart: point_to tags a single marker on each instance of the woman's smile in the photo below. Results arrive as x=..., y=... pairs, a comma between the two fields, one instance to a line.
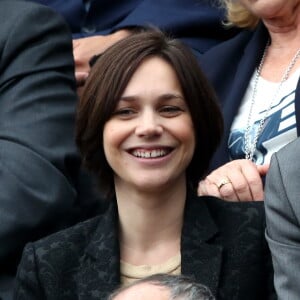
x=151, y=153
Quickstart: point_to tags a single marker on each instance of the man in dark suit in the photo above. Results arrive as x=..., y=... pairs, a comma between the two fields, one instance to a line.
x=283, y=216
x=97, y=24
x=38, y=158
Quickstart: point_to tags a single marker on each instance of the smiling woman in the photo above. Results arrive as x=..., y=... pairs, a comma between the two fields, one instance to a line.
x=170, y=75
x=147, y=126
x=151, y=131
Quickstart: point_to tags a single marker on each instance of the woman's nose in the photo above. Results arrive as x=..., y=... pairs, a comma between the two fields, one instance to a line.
x=149, y=125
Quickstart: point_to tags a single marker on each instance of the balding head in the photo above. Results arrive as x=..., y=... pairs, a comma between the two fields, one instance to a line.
x=163, y=287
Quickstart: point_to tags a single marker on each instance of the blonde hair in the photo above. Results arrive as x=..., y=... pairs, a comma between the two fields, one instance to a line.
x=238, y=15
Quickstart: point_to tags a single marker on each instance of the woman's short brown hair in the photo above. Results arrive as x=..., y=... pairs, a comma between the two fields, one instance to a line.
x=107, y=81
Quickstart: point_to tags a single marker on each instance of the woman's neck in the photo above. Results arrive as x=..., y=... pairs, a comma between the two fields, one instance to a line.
x=284, y=44
x=282, y=20
x=150, y=223
x=284, y=28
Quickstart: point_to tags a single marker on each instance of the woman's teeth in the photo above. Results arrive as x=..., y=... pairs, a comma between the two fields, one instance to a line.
x=150, y=153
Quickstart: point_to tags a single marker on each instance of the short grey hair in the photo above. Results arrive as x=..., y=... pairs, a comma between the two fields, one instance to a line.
x=180, y=287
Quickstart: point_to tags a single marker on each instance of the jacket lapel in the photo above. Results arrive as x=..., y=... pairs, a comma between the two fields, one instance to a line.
x=100, y=266
x=250, y=59
x=200, y=258
x=241, y=75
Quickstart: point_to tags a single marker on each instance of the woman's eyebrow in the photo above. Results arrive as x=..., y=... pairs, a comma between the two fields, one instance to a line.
x=164, y=97
x=169, y=96
x=128, y=98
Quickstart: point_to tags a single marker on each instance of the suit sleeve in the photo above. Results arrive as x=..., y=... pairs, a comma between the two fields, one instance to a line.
x=197, y=23
x=283, y=229
x=38, y=157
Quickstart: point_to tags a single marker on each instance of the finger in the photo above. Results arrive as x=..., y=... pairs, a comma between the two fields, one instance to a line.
x=239, y=188
x=201, y=191
x=263, y=169
x=254, y=182
x=222, y=186
x=246, y=180
x=239, y=184
x=228, y=193
x=207, y=188
x=219, y=185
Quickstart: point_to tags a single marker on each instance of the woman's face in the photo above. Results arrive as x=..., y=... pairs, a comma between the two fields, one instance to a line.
x=265, y=9
x=149, y=141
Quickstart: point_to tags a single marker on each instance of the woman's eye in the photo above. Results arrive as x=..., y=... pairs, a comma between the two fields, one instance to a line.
x=124, y=112
x=170, y=110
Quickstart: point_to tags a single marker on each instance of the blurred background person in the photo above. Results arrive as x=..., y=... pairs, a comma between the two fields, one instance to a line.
x=256, y=77
x=97, y=24
x=38, y=156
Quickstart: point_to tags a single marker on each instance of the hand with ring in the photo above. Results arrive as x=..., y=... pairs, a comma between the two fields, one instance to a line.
x=238, y=180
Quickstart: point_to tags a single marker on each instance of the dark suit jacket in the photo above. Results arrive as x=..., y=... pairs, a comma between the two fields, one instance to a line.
x=229, y=67
x=282, y=193
x=38, y=157
x=196, y=22
x=222, y=246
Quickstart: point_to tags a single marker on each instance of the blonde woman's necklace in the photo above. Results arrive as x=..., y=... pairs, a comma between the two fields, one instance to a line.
x=250, y=144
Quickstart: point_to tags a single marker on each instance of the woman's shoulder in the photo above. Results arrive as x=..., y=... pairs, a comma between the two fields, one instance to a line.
x=69, y=251
x=233, y=219
x=233, y=206
x=251, y=211
x=77, y=237
x=53, y=256
x=237, y=228
x=78, y=234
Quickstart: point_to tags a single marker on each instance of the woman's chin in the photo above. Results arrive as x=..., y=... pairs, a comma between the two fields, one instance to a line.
x=155, y=185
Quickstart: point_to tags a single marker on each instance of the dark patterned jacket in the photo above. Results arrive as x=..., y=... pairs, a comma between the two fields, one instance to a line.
x=222, y=246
